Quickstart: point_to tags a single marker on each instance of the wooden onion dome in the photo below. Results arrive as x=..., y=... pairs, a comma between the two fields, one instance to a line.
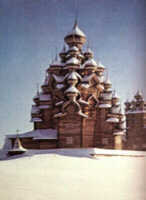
x=90, y=64
x=115, y=98
x=36, y=97
x=76, y=37
x=88, y=54
x=138, y=96
x=56, y=65
x=63, y=54
x=107, y=84
x=72, y=63
x=45, y=84
x=100, y=67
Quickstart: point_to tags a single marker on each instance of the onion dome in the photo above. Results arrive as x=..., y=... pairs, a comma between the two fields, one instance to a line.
x=115, y=98
x=72, y=89
x=72, y=63
x=72, y=76
x=138, y=96
x=73, y=49
x=107, y=84
x=36, y=97
x=56, y=64
x=105, y=100
x=63, y=53
x=106, y=96
x=80, y=56
x=100, y=67
x=76, y=37
x=88, y=54
x=127, y=103
x=90, y=64
x=45, y=83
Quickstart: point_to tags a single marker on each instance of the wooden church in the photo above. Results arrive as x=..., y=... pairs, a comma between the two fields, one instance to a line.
x=76, y=107
x=136, y=123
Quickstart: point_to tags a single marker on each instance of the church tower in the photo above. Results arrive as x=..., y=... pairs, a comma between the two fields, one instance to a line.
x=76, y=107
x=136, y=122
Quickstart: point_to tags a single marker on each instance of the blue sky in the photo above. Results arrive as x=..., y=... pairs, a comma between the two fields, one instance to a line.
x=31, y=30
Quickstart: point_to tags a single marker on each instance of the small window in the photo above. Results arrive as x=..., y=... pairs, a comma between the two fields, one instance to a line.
x=69, y=140
x=135, y=146
x=144, y=145
x=105, y=141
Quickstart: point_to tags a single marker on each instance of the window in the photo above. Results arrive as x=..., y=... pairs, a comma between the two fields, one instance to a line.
x=144, y=145
x=105, y=141
x=69, y=140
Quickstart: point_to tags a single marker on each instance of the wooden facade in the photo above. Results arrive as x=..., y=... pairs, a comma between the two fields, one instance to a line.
x=136, y=123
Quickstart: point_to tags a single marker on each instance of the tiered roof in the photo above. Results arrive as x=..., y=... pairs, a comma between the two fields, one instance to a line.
x=72, y=80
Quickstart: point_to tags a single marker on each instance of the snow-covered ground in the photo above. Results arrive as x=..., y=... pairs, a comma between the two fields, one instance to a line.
x=74, y=175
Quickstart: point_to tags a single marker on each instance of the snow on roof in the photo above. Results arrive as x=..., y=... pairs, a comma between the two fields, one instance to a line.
x=104, y=106
x=75, y=73
x=89, y=51
x=36, y=119
x=72, y=76
x=73, y=48
x=72, y=89
x=76, y=31
x=115, y=110
x=107, y=81
x=136, y=111
x=44, y=106
x=121, y=111
x=59, y=85
x=87, y=78
x=73, y=60
x=35, y=109
x=58, y=78
x=85, y=85
x=138, y=93
x=101, y=79
x=122, y=125
x=18, y=146
x=115, y=96
x=56, y=62
x=36, y=96
x=45, y=97
x=80, y=55
x=38, y=134
x=113, y=120
x=119, y=133
x=59, y=103
x=100, y=65
x=107, y=96
x=47, y=77
x=91, y=62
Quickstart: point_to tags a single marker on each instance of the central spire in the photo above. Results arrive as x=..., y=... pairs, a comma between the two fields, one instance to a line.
x=76, y=37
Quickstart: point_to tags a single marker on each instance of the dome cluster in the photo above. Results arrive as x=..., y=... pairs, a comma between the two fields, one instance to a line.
x=72, y=81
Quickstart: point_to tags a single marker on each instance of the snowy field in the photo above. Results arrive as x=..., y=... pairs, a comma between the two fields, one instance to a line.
x=72, y=175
